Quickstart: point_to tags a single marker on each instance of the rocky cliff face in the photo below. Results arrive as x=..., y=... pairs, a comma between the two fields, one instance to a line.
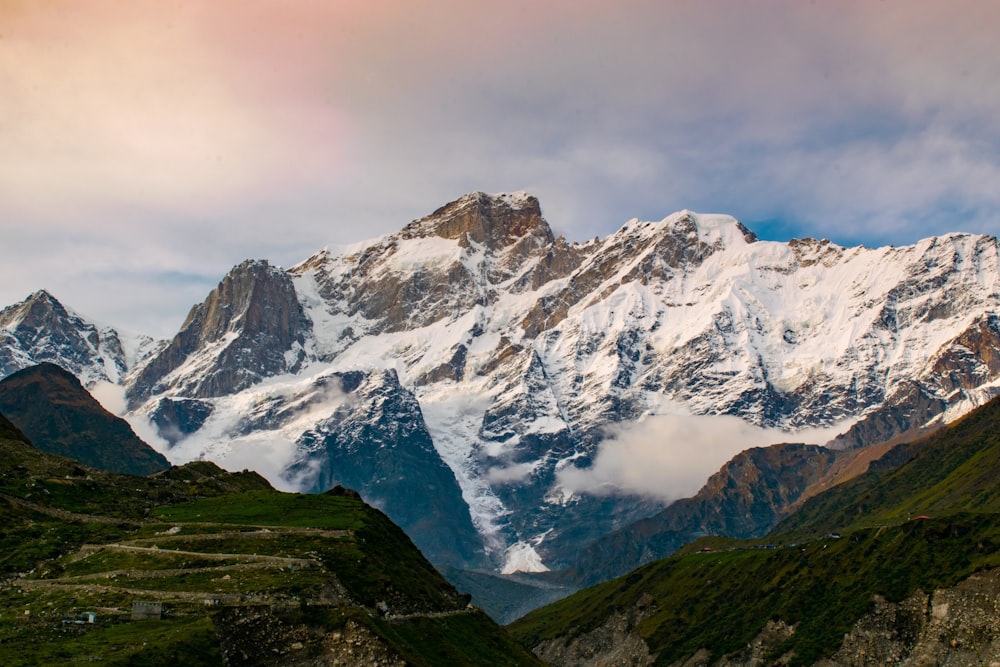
x=250, y=327
x=522, y=349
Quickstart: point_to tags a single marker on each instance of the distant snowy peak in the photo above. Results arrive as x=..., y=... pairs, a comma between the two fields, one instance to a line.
x=41, y=329
x=462, y=256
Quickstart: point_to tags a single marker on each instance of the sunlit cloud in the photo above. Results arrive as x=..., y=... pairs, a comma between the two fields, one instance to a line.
x=188, y=133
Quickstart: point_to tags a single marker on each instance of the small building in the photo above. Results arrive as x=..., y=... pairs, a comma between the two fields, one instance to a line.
x=88, y=617
x=144, y=611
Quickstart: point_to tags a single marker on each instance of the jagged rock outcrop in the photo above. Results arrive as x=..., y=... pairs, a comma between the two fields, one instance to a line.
x=277, y=637
x=250, y=327
x=614, y=642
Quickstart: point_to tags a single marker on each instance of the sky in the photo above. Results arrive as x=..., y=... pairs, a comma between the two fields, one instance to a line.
x=146, y=147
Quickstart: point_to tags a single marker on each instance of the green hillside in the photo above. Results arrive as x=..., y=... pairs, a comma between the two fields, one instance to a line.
x=956, y=469
x=806, y=574
x=231, y=569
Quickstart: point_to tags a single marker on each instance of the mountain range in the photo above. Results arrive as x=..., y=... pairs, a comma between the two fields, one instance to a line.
x=507, y=396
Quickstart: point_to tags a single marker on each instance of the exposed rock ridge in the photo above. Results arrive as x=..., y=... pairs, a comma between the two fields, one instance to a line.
x=614, y=642
x=495, y=221
x=250, y=327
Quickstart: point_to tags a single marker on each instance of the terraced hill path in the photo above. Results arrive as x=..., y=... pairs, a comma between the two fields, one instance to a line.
x=158, y=547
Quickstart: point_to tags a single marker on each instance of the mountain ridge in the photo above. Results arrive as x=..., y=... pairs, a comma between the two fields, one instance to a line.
x=895, y=566
x=50, y=406
x=522, y=350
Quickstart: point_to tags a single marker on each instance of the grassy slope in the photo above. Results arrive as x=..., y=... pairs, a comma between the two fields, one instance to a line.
x=196, y=533
x=954, y=470
x=722, y=600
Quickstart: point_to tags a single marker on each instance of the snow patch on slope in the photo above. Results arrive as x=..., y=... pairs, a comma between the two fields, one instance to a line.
x=453, y=416
x=522, y=557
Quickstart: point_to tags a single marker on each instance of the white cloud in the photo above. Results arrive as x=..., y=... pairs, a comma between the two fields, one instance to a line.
x=180, y=137
x=669, y=456
x=110, y=396
x=510, y=474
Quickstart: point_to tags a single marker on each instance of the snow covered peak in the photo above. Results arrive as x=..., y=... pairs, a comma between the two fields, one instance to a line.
x=717, y=230
x=41, y=329
x=40, y=305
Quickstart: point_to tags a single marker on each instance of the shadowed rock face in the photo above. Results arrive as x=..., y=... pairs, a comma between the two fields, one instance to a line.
x=250, y=327
x=51, y=407
x=377, y=444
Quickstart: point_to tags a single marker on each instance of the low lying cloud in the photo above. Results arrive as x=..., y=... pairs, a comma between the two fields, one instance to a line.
x=511, y=474
x=669, y=456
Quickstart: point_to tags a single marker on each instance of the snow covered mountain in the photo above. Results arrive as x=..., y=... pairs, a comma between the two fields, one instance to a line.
x=41, y=329
x=466, y=372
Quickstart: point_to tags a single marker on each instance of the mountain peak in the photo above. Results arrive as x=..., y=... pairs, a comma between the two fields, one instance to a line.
x=496, y=221
x=51, y=407
x=249, y=327
x=40, y=307
x=42, y=296
x=712, y=228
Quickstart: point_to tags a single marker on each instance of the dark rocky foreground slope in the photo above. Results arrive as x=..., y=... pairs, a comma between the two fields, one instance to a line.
x=53, y=409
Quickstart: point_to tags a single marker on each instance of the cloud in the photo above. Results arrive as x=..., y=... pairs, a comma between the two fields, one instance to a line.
x=516, y=472
x=669, y=456
x=181, y=136
x=111, y=397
